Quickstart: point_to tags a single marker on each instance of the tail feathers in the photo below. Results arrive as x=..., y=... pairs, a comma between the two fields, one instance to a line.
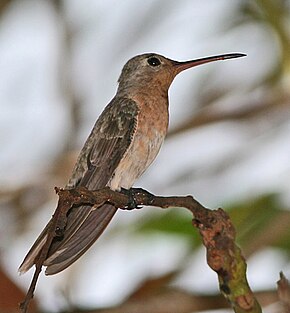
x=81, y=241
x=29, y=260
x=66, y=252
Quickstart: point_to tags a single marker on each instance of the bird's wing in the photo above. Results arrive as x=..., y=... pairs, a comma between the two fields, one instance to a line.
x=101, y=154
x=106, y=145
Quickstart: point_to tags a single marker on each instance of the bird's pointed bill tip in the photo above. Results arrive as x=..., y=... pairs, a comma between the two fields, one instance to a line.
x=234, y=55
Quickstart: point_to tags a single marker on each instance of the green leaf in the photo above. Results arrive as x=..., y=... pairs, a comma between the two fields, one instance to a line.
x=172, y=222
x=261, y=222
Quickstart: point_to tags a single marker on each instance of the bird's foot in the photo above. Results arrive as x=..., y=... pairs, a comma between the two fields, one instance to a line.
x=131, y=194
x=148, y=196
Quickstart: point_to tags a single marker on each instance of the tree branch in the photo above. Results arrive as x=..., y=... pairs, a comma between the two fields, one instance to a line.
x=215, y=227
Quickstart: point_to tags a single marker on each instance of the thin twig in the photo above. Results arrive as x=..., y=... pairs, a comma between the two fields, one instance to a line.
x=284, y=293
x=56, y=224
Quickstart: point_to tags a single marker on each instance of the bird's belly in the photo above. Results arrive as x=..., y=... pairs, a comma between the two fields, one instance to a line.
x=141, y=153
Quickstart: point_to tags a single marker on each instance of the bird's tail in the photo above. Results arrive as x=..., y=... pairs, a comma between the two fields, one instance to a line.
x=78, y=237
x=30, y=257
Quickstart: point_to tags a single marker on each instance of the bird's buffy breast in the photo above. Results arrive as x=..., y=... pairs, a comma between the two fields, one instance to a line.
x=147, y=140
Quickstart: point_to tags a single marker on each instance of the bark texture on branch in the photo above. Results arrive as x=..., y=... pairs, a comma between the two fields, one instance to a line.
x=215, y=227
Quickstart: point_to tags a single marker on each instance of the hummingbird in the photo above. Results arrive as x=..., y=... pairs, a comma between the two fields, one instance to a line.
x=124, y=141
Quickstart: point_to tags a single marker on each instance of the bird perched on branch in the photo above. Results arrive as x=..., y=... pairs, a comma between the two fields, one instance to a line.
x=124, y=141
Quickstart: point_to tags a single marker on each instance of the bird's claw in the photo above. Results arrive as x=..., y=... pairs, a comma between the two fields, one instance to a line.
x=131, y=194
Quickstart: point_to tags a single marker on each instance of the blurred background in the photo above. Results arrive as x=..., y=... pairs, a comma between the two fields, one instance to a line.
x=228, y=146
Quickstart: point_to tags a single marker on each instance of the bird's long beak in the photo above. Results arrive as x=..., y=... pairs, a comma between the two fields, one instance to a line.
x=181, y=66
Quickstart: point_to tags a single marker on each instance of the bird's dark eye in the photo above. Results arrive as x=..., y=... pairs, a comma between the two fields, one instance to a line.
x=153, y=61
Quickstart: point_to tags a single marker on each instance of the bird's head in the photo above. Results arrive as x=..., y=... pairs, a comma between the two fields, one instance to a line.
x=152, y=70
